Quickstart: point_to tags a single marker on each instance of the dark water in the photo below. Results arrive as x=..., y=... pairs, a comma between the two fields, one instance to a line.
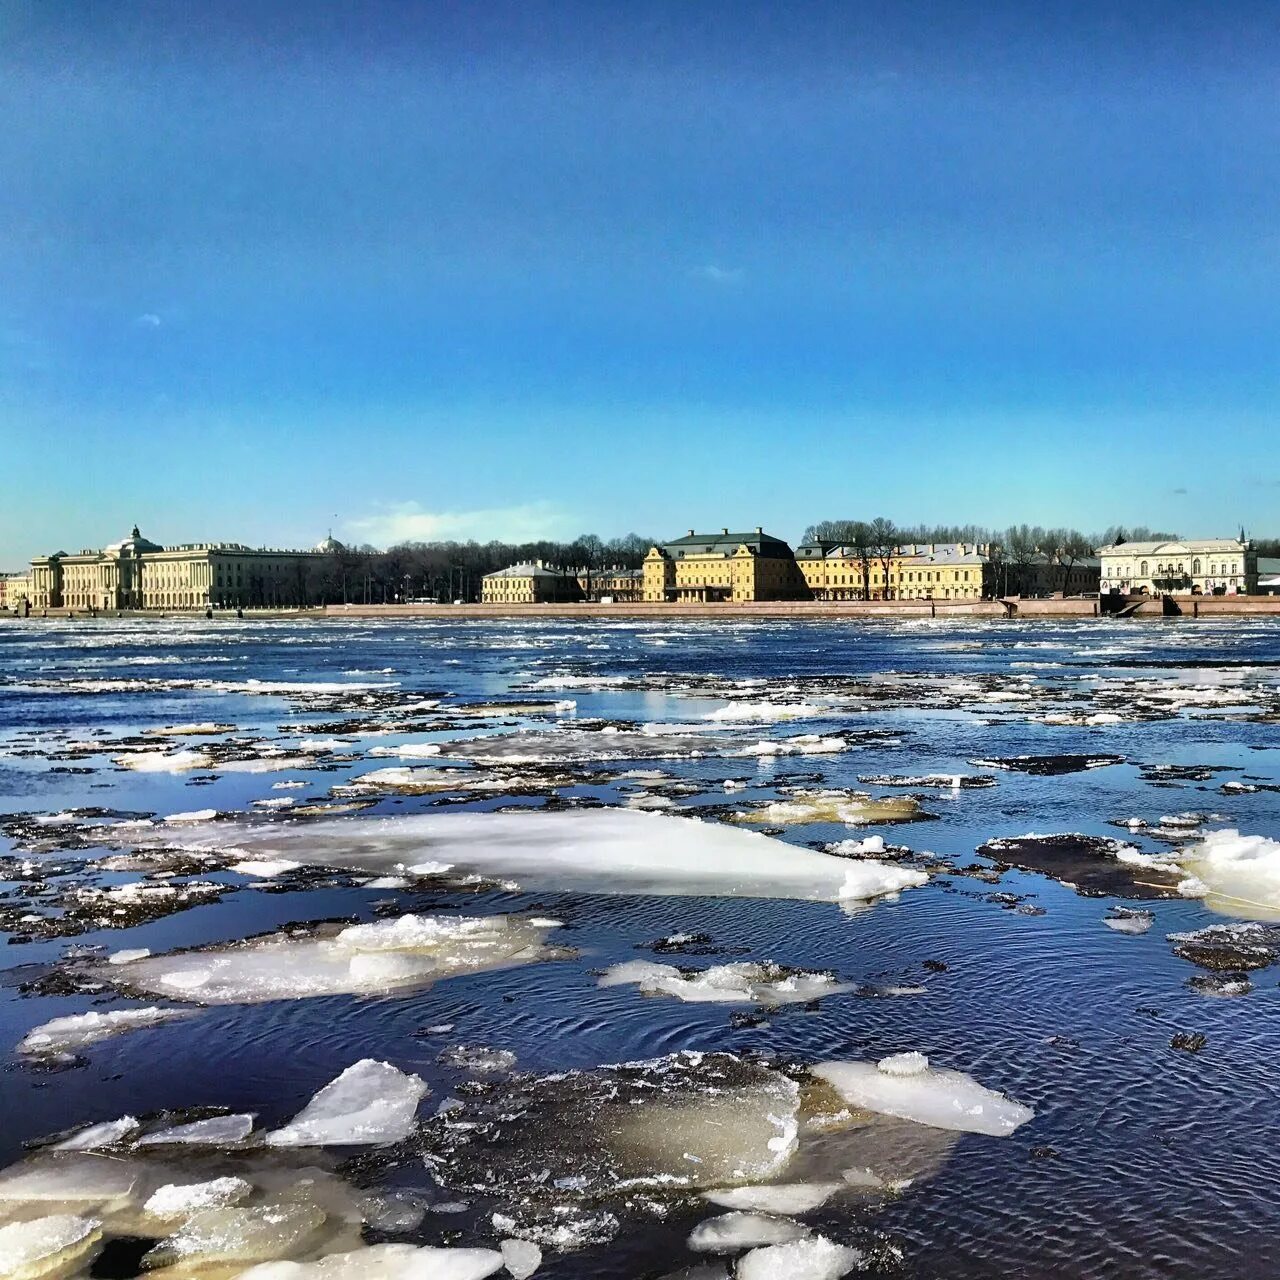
x=1141, y=1160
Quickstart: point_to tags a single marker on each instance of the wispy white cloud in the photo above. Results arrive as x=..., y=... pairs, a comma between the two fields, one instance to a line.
x=408, y=522
x=714, y=274
x=148, y=320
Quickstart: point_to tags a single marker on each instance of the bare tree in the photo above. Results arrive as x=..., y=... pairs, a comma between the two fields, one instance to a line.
x=882, y=541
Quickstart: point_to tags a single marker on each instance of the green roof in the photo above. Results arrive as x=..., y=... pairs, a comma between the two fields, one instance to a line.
x=725, y=543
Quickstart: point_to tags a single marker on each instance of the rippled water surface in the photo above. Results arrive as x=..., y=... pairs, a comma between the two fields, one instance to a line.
x=1142, y=1159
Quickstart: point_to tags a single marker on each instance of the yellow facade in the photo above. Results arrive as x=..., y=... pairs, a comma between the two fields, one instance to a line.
x=837, y=573
x=15, y=590
x=136, y=573
x=723, y=566
x=620, y=585
x=529, y=584
x=935, y=571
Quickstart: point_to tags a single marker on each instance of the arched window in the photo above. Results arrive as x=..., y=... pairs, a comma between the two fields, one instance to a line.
x=1143, y=569
x=1195, y=567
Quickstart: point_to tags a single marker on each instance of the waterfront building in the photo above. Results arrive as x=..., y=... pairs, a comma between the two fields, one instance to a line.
x=1268, y=576
x=917, y=571
x=1043, y=574
x=15, y=590
x=136, y=573
x=623, y=586
x=706, y=567
x=1207, y=566
x=532, y=583
x=945, y=571
x=832, y=571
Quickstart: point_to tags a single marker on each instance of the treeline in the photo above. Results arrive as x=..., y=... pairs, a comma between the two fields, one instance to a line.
x=446, y=571
x=1018, y=543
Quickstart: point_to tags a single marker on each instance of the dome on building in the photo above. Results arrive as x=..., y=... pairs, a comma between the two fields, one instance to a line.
x=134, y=545
x=328, y=546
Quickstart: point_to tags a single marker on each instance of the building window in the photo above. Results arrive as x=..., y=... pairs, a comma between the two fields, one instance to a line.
x=1142, y=569
x=1195, y=567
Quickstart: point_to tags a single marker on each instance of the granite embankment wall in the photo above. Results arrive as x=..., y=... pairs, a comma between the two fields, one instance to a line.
x=893, y=610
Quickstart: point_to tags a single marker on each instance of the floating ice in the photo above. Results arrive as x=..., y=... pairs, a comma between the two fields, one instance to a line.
x=767, y=711
x=733, y=1232
x=905, y=1085
x=129, y=953
x=815, y=1258
x=1234, y=873
x=690, y=1120
x=1230, y=947
x=217, y=1131
x=805, y=744
x=783, y=1198
x=71, y=1177
x=741, y=983
x=260, y=1233
x=47, y=1246
x=175, y=1200
x=370, y=1101
x=78, y=1030
x=521, y=1258
x=164, y=762
x=849, y=807
x=264, y=868
x=105, y=1134
x=367, y=959
x=191, y=815
x=389, y=1262
x=1125, y=921
x=189, y=730
x=589, y=850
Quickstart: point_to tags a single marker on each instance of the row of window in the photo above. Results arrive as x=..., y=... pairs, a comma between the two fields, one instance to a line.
x=1167, y=568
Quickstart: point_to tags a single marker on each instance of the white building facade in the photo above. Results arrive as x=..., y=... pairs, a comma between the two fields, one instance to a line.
x=1209, y=566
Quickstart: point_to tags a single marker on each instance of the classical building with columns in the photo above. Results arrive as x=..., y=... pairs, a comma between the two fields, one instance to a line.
x=1208, y=566
x=136, y=573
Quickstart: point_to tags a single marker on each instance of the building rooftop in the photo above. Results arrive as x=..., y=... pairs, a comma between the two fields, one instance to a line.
x=529, y=571
x=725, y=543
x=943, y=553
x=134, y=544
x=1175, y=547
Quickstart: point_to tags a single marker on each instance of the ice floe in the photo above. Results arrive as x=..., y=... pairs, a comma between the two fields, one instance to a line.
x=107, y=1133
x=389, y=1262
x=741, y=983
x=690, y=1120
x=848, y=807
x=784, y=1198
x=175, y=1200
x=370, y=1102
x=1233, y=872
x=216, y=1131
x=607, y=850
x=905, y=1085
x=79, y=1030
x=52, y=1246
x=365, y=959
x=241, y=1236
x=814, y=1258
x=738, y=1230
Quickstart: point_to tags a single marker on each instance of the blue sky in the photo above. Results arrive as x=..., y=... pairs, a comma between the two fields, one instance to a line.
x=417, y=270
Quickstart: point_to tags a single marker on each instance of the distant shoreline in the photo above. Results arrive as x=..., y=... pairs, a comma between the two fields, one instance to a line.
x=892, y=610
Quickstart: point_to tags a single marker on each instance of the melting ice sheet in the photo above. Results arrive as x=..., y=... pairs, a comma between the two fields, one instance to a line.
x=588, y=850
x=905, y=1085
x=362, y=959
